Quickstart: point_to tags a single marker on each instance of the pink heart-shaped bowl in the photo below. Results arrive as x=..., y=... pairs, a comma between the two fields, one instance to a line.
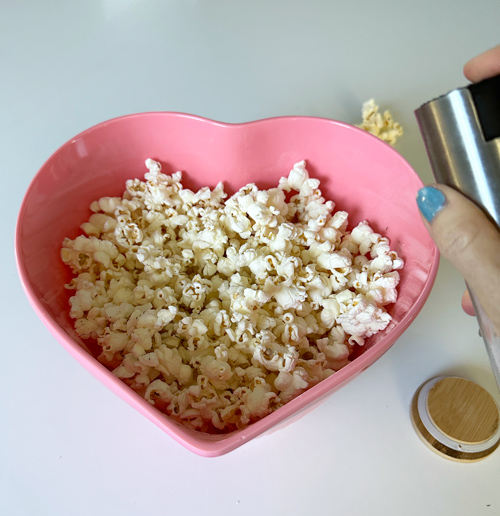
x=363, y=175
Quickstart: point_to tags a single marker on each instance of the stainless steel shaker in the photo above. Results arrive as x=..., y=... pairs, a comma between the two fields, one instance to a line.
x=461, y=132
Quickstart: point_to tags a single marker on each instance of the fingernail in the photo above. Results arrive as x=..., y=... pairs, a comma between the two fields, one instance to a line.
x=430, y=202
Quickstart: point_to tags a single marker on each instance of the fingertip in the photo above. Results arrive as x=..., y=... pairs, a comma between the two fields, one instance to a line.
x=430, y=200
x=468, y=71
x=483, y=66
x=467, y=306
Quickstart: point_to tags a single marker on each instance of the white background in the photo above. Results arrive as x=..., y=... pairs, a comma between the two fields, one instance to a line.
x=70, y=447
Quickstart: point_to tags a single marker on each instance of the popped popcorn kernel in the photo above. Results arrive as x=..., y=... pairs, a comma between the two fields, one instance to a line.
x=381, y=125
x=220, y=310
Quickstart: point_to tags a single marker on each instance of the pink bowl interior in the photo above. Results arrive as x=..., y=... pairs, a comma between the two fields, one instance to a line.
x=363, y=175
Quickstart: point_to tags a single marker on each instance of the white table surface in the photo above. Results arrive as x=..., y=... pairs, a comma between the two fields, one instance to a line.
x=70, y=447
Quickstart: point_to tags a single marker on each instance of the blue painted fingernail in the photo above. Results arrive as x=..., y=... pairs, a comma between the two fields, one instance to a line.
x=430, y=202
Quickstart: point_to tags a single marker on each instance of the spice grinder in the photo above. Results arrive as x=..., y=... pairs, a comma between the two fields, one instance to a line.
x=461, y=132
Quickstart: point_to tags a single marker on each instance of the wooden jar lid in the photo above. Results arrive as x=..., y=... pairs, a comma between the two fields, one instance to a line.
x=456, y=418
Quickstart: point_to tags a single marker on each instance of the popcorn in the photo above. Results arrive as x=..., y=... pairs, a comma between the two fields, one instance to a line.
x=362, y=318
x=381, y=125
x=219, y=311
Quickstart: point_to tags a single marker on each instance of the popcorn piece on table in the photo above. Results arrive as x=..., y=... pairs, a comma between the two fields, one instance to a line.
x=381, y=125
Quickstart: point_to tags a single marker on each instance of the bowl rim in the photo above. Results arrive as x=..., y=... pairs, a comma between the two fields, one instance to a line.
x=204, y=444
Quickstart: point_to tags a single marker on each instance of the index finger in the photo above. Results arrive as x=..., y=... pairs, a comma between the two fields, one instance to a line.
x=484, y=65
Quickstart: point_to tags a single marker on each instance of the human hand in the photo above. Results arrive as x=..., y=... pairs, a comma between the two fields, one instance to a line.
x=461, y=231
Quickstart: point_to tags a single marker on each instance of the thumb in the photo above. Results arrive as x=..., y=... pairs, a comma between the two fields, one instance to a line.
x=468, y=239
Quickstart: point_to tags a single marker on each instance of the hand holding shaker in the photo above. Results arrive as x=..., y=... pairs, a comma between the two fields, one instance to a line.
x=461, y=132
